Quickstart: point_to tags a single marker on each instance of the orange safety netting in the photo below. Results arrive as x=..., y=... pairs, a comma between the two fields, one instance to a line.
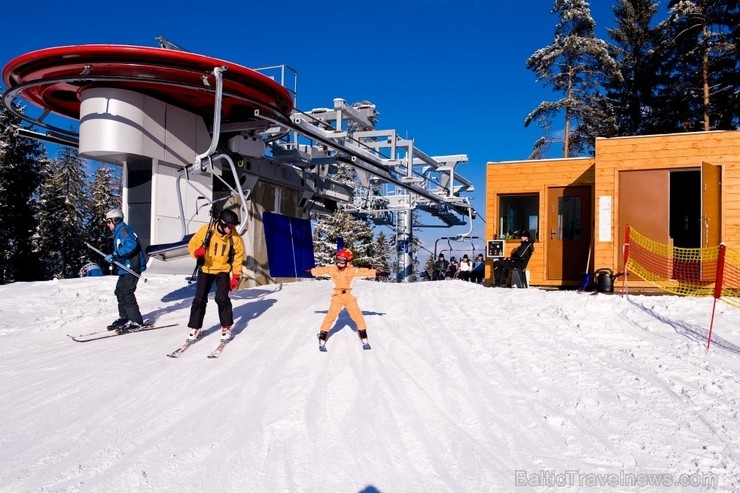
x=710, y=271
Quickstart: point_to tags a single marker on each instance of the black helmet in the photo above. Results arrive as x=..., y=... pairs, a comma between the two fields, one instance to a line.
x=228, y=216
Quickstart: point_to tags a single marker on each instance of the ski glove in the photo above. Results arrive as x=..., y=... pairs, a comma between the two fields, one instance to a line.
x=109, y=258
x=234, y=281
x=200, y=252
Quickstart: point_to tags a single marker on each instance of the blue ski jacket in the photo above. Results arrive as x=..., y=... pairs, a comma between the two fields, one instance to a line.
x=126, y=249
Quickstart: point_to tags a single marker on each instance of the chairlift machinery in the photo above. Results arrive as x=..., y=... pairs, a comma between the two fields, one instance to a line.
x=156, y=100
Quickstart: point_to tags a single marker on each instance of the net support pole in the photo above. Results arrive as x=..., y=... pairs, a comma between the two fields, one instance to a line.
x=718, y=281
x=625, y=257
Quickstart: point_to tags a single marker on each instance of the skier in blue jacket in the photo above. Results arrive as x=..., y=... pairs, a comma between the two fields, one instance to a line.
x=126, y=251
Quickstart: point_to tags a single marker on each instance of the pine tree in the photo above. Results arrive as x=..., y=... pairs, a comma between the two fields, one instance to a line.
x=356, y=234
x=381, y=253
x=105, y=194
x=576, y=65
x=61, y=233
x=632, y=92
x=699, y=51
x=429, y=266
x=21, y=160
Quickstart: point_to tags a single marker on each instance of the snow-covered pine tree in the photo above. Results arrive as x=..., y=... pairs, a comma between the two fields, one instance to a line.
x=633, y=92
x=21, y=160
x=356, y=234
x=381, y=253
x=105, y=194
x=61, y=229
x=429, y=267
x=575, y=65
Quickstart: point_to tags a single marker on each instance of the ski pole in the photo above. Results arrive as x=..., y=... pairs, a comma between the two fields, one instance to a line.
x=115, y=261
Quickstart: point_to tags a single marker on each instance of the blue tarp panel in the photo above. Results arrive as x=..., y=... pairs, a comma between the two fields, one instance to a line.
x=289, y=245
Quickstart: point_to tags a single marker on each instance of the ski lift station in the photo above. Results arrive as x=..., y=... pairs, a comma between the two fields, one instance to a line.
x=195, y=134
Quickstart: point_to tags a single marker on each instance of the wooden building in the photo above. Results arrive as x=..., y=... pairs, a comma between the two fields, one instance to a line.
x=681, y=189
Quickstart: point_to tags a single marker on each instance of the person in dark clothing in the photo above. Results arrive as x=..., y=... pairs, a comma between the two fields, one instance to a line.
x=128, y=252
x=440, y=267
x=519, y=259
x=452, y=269
x=479, y=268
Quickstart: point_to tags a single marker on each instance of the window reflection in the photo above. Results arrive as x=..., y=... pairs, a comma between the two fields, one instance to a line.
x=518, y=213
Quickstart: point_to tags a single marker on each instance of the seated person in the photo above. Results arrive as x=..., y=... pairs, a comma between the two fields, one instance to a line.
x=518, y=260
x=479, y=268
x=465, y=268
x=452, y=269
x=440, y=268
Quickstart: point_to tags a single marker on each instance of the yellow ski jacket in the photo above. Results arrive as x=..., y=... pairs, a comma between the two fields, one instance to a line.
x=217, y=253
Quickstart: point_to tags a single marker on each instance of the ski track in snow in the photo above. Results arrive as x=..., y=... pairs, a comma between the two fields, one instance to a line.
x=464, y=386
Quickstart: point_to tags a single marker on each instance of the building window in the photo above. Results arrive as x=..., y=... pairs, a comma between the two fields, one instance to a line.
x=518, y=213
x=569, y=218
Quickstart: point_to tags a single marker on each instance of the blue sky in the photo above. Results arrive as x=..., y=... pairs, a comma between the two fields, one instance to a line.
x=451, y=74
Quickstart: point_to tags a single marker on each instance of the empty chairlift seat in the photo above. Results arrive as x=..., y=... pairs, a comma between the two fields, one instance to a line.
x=169, y=251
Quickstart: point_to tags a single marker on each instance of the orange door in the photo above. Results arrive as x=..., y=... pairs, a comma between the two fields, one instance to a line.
x=644, y=205
x=711, y=196
x=711, y=213
x=568, y=236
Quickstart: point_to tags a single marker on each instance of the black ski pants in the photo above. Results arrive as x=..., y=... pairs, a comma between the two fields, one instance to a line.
x=128, y=308
x=203, y=287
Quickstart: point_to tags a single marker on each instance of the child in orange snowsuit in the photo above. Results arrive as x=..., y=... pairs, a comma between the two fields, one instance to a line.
x=343, y=274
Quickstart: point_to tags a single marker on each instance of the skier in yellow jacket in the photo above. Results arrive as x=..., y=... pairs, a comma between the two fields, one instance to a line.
x=219, y=251
x=342, y=273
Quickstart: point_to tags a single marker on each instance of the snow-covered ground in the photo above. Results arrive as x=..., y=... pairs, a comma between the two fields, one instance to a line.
x=466, y=389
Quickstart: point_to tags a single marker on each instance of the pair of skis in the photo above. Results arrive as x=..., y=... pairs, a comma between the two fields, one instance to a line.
x=212, y=355
x=322, y=344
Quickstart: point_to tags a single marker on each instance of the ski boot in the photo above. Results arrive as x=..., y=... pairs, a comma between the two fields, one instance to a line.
x=121, y=322
x=363, y=338
x=129, y=327
x=322, y=340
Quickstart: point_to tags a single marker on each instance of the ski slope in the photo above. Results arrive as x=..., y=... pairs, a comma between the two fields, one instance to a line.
x=466, y=389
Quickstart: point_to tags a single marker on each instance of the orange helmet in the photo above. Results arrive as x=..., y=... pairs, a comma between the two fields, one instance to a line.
x=345, y=254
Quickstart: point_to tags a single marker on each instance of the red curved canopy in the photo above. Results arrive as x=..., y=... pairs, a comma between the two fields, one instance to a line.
x=52, y=79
